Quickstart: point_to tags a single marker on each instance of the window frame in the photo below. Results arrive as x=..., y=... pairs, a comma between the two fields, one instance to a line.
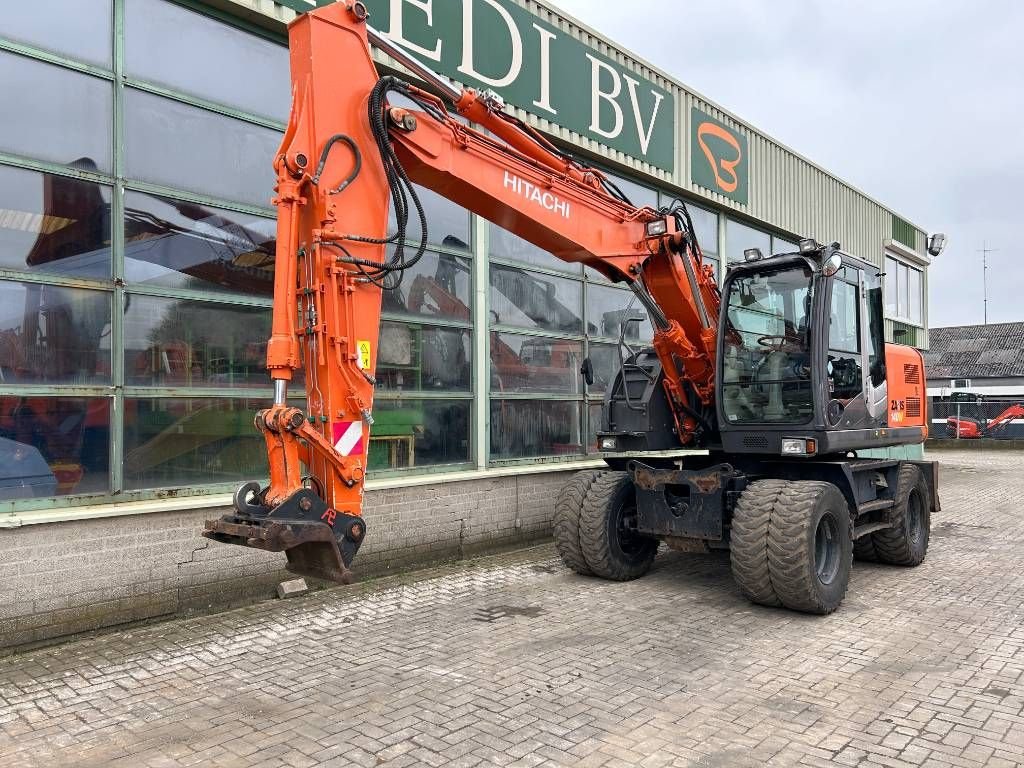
x=893, y=282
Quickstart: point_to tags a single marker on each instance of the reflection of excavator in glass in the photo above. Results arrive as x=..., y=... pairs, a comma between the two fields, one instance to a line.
x=780, y=484
x=970, y=429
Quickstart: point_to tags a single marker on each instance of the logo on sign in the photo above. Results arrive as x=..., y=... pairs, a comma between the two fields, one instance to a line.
x=718, y=157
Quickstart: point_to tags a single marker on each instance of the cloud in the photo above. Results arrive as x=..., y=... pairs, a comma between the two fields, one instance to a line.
x=919, y=104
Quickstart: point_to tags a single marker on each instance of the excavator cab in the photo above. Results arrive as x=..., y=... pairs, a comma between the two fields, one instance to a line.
x=803, y=364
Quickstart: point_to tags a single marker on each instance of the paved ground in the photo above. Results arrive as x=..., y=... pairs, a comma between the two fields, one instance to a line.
x=512, y=660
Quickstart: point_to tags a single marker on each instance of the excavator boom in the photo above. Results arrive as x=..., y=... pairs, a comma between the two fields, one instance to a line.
x=346, y=152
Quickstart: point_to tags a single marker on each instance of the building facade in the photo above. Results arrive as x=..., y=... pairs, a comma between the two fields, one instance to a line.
x=136, y=268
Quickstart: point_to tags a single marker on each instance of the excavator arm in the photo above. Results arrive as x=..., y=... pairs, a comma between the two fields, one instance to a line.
x=346, y=152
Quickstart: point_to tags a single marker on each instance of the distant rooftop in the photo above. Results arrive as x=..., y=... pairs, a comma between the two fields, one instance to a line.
x=976, y=351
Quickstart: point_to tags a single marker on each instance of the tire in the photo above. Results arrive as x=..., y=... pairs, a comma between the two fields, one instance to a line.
x=568, y=507
x=612, y=552
x=906, y=543
x=748, y=541
x=810, y=546
x=864, y=549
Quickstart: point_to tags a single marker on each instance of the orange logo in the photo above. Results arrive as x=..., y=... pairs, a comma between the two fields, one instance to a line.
x=721, y=166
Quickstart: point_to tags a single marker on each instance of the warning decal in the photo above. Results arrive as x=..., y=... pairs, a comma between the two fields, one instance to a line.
x=348, y=438
x=364, y=354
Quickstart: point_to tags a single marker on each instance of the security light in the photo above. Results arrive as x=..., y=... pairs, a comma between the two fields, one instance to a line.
x=809, y=245
x=936, y=244
x=752, y=254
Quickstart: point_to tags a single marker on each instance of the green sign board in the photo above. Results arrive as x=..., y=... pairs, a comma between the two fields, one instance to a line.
x=718, y=157
x=496, y=45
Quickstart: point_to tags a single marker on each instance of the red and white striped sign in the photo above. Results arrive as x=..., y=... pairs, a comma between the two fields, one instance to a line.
x=348, y=438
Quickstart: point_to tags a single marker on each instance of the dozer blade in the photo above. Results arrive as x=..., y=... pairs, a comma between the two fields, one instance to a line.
x=318, y=542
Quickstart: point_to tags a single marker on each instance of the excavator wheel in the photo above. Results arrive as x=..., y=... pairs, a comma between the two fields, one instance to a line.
x=608, y=538
x=864, y=549
x=810, y=546
x=906, y=543
x=748, y=541
x=568, y=508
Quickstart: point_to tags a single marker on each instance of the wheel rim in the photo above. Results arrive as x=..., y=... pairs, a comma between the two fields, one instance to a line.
x=628, y=540
x=826, y=550
x=915, y=518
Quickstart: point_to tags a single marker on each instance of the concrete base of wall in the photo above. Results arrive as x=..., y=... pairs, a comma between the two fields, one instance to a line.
x=64, y=578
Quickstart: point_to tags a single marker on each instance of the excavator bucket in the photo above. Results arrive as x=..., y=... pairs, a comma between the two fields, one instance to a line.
x=319, y=542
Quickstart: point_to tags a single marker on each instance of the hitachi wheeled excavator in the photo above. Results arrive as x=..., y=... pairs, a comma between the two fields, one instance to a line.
x=782, y=376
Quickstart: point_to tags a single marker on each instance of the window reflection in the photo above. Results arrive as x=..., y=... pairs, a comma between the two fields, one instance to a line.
x=739, y=237
x=56, y=114
x=186, y=442
x=171, y=342
x=438, y=285
x=608, y=309
x=447, y=223
x=606, y=360
x=206, y=58
x=505, y=245
x=53, y=446
x=532, y=364
x=529, y=300
x=54, y=224
x=419, y=433
x=422, y=358
x=177, y=244
x=522, y=428
x=167, y=142
x=53, y=335
x=79, y=29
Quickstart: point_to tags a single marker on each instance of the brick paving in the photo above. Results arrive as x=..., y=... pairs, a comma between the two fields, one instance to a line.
x=511, y=660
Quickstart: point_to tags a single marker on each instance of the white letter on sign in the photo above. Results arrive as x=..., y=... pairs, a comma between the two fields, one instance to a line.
x=546, y=36
x=598, y=95
x=645, y=138
x=396, y=33
x=467, y=68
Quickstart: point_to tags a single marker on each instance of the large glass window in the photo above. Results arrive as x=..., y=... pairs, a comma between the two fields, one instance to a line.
x=54, y=224
x=612, y=312
x=526, y=428
x=505, y=245
x=177, y=244
x=412, y=433
x=766, y=370
x=53, y=446
x=534, y=364
x=174, y=342
x=739, y=237
x=447, y=223
x=904, y=291
x=178, y=145
x=530, y=300
x=79, y=29
x=422, y=358
x=55, y=114
x=189, y=442
x=205, y=58
x=438, y=285
x=52, y=334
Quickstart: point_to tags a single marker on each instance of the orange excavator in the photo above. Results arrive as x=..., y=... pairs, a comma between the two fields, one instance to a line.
x=971, y=429
x=783, y=375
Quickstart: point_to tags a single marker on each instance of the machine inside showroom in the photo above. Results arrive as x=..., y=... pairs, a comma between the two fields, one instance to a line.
x=782, y=375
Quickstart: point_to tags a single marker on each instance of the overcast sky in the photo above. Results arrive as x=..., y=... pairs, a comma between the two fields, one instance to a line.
x=919, y=104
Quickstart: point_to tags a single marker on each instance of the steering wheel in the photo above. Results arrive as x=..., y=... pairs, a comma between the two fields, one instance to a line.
x=780, y=343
